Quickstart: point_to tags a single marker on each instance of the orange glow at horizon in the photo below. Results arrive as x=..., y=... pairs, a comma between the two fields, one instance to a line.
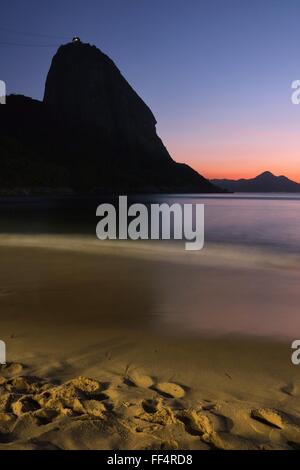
x=213, y=171
x=239, y=160
x=216, y=173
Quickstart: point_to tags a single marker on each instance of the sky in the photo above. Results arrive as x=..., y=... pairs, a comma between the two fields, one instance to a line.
x=217, y=74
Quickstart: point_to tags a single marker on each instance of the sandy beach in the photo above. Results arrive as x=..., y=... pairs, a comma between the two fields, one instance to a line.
x=150, y=232
x=106, y=350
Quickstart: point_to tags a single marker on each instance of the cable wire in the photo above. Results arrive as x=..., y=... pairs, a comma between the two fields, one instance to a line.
x=27, y=33
x=3, y=43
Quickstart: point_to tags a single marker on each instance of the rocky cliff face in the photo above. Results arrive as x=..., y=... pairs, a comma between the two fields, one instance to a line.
x=95, y=130
x=85, y=87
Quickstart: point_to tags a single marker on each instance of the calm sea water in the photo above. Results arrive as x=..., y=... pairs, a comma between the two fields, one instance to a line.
x=230, y=297
x=257, y=220
x=271, y=220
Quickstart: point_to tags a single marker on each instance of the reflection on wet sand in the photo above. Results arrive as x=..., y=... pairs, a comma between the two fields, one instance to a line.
x=122, y=346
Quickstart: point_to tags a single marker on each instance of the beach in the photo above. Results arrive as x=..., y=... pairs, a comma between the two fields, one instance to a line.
x=106, y=350
x=149, y=231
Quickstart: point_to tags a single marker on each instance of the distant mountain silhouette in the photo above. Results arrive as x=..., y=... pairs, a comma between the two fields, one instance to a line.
x=92, y=132
x=263, y=183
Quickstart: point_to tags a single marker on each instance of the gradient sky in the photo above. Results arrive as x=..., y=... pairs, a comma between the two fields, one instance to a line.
x=217, y=74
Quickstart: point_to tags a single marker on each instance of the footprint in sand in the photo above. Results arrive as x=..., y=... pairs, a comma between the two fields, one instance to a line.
x=268, y=416
x=157, y=412
x=85, y=384
x=94, y=408
x=24, y=385
x=196, y=423
x=24, y=405
x=139, y=380
x=170, y=389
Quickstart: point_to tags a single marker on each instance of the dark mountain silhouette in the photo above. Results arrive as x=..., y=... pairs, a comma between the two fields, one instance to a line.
x=92, y=132
x=263, y=183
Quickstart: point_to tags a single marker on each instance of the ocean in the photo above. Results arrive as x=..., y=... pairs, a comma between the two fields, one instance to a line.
x=245, y=281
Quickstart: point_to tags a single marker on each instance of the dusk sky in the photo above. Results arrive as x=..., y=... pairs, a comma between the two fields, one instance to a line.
x=217, y=74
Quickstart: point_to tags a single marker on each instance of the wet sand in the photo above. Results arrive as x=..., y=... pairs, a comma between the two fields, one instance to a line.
x=130, y=346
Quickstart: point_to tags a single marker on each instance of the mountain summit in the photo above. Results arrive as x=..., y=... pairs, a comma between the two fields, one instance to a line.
x=92, y=132
x=84, y=87
x=263, y=183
